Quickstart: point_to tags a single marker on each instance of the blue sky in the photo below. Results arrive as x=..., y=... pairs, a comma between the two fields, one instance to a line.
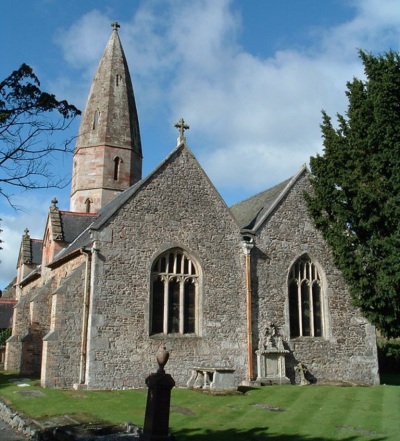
x=250, y=77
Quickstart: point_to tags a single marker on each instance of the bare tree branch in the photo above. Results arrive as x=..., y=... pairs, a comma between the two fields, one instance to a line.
x=29, y=118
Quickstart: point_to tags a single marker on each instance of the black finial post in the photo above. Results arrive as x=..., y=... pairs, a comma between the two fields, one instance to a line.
x=156, y=420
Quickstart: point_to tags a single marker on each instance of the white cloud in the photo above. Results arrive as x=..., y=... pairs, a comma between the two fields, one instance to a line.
x=83, y=43
x=267, y=110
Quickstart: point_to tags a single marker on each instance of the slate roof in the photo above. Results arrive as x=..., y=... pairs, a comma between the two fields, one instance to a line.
x=36, y=251
x=74, y=223
x=9, y=291
x=251, y=212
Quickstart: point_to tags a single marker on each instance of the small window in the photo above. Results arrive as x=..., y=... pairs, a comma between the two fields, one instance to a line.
x=305, y=305
x=117, y=167
x=96, y=118
x=118, y=79
x=88, y=204
x=174, y=293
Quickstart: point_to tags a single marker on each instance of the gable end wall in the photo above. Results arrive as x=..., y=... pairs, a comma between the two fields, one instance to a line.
x=177, y=207
x=348, y=350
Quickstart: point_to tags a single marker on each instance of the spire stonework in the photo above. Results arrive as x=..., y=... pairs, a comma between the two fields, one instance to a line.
x=108, y=152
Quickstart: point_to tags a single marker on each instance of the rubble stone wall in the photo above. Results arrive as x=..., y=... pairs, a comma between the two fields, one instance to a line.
x=176, y=208
x=347, y=351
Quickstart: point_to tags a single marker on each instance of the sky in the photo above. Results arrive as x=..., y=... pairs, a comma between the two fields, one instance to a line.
x=250, y=77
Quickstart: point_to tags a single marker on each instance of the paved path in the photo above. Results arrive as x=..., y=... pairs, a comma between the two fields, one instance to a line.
x=8, y=434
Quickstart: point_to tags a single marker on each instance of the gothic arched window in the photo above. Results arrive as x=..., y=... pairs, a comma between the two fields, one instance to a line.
x=174, y=294
x=305, y=299
x=117, y=165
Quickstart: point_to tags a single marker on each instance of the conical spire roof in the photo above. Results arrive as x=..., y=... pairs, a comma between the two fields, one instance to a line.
x=108, y=152
x=110, y=116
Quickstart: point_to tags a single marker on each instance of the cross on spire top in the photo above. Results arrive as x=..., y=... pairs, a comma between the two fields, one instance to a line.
x=115, y=25
x=182, y=126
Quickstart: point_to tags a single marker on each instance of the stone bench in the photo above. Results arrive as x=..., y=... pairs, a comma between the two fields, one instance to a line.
x=212, y=378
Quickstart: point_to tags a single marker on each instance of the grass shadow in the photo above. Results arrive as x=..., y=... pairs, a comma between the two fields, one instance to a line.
x=255, y=434
x=8, y=377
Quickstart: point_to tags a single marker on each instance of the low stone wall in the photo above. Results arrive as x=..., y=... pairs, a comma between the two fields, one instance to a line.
x=18, y=422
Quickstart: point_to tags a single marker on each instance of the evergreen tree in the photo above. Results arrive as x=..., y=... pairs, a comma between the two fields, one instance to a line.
x=356, y=190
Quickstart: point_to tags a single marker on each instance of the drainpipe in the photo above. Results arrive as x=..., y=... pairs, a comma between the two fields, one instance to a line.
x=85, y=316
x=247, y=245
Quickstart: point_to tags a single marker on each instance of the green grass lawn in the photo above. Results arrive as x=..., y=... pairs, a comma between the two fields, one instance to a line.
x=276, y=413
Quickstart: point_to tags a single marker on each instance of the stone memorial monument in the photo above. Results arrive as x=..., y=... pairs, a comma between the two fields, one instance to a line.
x=271, y=354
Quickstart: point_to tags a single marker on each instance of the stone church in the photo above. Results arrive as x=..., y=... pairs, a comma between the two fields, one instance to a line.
x=241, y=295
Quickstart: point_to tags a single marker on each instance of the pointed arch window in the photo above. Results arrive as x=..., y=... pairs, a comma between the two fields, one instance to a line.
x=174, y=294
x=117, y=166
x=305, y=299
x=88, y=204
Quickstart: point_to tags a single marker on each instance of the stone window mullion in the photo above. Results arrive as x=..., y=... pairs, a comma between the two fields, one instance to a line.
x=179, y=312
x=311, y=309
x=166, y=305
x=181, y=304
x=299, y=308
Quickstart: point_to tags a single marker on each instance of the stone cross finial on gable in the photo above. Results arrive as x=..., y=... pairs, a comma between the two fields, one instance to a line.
x=115, y=25
x=182, y=126
x=54, y=201
x=26, y=231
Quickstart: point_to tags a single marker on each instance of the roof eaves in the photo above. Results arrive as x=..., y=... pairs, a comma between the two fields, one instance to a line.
x=62, y=259
x=35, y=274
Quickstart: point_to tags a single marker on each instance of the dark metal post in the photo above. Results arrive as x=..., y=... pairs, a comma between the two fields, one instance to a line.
x=156, y=422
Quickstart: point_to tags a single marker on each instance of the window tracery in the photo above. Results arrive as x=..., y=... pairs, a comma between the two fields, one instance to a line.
x=305, y=299
x=174, y=290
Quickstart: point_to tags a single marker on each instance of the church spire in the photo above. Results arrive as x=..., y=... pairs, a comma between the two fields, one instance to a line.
x=108, y=152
